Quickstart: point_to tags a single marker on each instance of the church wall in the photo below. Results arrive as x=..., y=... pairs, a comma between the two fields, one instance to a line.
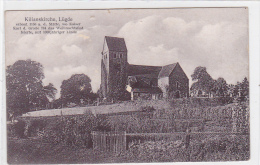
x=179, y=82
x=103, y=79
x=163, y=83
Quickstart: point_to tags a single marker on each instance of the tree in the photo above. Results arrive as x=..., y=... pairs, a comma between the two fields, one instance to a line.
x=237, y=89
x=220, y=87
x=245, y=87
x=24, y=85
x=231, y=90
x=99, y=93
x=203, y=81
x=50, y=91
x=76, y=88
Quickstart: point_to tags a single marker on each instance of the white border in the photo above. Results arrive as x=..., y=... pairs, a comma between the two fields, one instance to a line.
x=254, y=51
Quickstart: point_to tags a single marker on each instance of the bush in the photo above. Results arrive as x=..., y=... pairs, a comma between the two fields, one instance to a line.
x=147, y=109
x=34, y=126
x=68, y=130
x=209, y=149
x=17, y=129
x=75, y=130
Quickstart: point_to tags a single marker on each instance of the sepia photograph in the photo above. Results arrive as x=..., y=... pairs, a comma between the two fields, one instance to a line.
x=127, y=85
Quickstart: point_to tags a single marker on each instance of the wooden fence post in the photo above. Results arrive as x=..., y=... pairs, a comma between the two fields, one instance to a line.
x=187, y=138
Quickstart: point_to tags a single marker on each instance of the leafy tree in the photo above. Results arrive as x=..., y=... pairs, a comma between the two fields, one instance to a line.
x=57, y=103
x=120, y=94
x=220, y=87
x=231, y=90
x=50, y=91
x=245, y=87
x=237, y=89
x=99, y=93
x=203, y=81
x=25, y=91
x=77, y=88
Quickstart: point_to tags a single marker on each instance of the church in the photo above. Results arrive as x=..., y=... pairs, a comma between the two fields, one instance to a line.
x=143, y=82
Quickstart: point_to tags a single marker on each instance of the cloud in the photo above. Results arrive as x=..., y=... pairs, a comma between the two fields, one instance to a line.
x=65, y=72
x=71, y=50
x=154, y=55
x=221, y=47
x=64, y=55
x=214, y=38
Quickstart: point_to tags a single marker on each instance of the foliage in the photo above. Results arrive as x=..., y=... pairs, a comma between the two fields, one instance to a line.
x=99, y=93
x=231, y=91
x=211, y=114
x=220, y=87
x=120, y=94
x=245, y=87
x=57, y=103
x=204, y=81
x=208, y=149
x=241, y=89
x=50, y=91
x=77, y=89
x=25, y=90
x=170, y=92
x=35, y=126
x=16, y=129
x=147, y=109
x=204, y=85
x=67, y=130
x=74, y=130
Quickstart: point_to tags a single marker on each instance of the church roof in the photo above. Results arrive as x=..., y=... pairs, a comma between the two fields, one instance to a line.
x=150, y=76
x=133, y=70
x=147, y=90
x=167, y=70
x=116, y=44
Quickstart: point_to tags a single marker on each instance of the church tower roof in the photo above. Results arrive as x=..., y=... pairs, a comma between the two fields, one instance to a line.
x=116, y=44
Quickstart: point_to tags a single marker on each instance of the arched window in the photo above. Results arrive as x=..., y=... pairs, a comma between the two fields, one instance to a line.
x=177, y=85
x=121, y=55
x=114, y=55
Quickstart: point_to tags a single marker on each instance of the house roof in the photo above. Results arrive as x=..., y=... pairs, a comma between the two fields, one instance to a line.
x=141, y=81
x=167, y=70
x=133, y=70
x=149, y=76
x=116, y=44
x=147, y=90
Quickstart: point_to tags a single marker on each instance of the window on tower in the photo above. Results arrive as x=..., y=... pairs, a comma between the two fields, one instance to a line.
x=121, y=55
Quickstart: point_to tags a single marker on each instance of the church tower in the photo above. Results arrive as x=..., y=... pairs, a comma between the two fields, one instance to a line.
x=113, y=67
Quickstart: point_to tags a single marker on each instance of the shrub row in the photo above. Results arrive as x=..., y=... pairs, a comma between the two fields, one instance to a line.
x=68, y=130
x=210, y=149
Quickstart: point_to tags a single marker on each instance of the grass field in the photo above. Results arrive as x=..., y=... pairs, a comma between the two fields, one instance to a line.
x=102, y=109
x=33, y=151
x=66, y=138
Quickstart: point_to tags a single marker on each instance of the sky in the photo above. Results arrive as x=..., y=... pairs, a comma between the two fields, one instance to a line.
x=216, y=38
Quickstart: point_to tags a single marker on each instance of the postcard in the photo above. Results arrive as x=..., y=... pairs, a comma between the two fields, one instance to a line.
x=128, y=85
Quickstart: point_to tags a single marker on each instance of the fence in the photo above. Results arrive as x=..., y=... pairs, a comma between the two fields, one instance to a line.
x=109, y=141
x=117, y=142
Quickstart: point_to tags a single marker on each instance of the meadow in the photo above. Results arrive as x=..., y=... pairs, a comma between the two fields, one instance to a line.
x=67, y=138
